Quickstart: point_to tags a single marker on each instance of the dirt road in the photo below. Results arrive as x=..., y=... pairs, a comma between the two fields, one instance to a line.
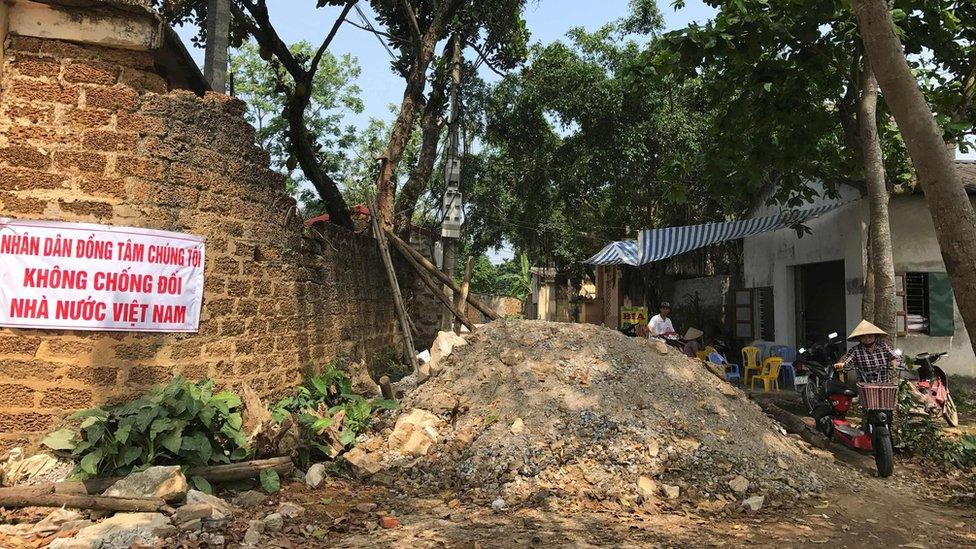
x=869, y=513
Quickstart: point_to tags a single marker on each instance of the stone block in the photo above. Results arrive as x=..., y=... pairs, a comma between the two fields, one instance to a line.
x=92, y=73
x=38, y=91
x=25, y=157
x=115, y=98
x=106, y=140
x=16, y=396
x=83, y=161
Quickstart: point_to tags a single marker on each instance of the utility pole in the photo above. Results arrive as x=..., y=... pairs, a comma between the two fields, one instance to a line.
x=451, y=225
x=218, y=41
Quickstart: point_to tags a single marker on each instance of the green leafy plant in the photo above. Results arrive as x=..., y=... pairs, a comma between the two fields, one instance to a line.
x=181, y=423
x=270, y=480
x=331, y=414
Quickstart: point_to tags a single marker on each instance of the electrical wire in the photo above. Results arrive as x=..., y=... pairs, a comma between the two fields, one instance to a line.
x=369, y=26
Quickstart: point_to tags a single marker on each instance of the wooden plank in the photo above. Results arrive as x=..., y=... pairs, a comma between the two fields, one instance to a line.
x=423, y=261
x=401, y=308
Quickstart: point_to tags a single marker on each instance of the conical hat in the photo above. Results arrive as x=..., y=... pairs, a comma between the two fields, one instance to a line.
x=693, y=333
x=866, y=328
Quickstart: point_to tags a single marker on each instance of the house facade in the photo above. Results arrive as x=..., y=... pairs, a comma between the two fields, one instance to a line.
x=798, y=289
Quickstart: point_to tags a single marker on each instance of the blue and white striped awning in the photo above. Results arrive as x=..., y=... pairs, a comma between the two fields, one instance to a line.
x=657, y=244
x=616, y=253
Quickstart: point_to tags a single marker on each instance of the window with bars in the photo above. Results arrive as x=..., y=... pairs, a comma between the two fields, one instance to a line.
x=926, y=304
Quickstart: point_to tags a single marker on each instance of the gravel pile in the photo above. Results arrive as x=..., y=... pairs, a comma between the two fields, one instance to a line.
x=532, y=411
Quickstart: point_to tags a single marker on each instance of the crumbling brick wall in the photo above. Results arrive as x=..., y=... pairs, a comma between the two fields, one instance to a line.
x=89, y=134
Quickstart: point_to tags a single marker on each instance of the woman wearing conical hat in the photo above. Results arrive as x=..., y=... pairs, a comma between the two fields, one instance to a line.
x=871, y=357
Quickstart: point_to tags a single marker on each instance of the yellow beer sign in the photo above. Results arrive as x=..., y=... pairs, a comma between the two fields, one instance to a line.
x=633, y=315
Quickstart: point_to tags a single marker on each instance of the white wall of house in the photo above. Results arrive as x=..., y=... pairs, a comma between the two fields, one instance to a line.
x=770, y=260
x=915, y=249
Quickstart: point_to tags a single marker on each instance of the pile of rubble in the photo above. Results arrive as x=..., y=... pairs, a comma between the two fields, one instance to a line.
x=523, y=412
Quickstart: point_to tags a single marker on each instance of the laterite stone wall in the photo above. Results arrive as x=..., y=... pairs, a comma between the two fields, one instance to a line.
x=90, y=134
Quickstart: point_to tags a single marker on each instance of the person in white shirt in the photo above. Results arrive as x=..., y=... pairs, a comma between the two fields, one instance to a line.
x=660, y=325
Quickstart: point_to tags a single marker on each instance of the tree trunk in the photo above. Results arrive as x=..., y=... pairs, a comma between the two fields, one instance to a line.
x=412, y=95
x=867, y=293
x=416, y=80
x=432, y=127
x=304, y=150
x=302, y=142
x=952, y=212
x=215, y=55
x=881, y=265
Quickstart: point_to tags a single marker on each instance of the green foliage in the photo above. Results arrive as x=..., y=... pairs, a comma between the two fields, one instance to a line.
x=181, y=423
x=579, y=151
x=922, y=436
x=334, y=96
x=799, y=63
x=332, y=416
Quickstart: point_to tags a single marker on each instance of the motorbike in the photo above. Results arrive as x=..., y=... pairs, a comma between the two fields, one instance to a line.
x=814, y=365
x=932, y=388
x=878, y=398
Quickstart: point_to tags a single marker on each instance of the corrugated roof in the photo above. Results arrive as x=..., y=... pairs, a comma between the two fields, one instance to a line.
x=967, y=173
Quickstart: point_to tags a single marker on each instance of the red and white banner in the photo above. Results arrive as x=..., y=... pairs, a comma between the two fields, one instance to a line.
x=79, y=276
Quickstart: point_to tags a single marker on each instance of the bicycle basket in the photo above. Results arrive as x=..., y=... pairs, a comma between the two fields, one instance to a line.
x=878, y=396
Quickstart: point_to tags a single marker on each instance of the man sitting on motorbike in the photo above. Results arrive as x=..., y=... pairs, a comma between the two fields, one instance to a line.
x=871, y=357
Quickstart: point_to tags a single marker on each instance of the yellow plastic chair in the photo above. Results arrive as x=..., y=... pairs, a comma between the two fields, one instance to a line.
x=769, y=374
x=750, y=361
x=703, y=354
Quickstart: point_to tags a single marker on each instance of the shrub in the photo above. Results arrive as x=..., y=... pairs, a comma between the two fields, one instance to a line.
x=332, y=416
x=181, y=423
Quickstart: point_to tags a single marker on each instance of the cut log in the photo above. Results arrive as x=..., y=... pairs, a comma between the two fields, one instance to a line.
x=212, y=473
x=794, y=424
x=423, y=261
x=438, y=292
x=387, y=388
x=243, y=470
x=15, y=497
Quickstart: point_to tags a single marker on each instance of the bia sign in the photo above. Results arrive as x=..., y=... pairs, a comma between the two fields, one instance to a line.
x=78, y=276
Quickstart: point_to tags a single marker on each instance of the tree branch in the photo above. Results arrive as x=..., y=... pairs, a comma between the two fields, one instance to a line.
x=484, y=58
x=374, y=31
x=297, y=101
x=411, y=20
x=328, y=39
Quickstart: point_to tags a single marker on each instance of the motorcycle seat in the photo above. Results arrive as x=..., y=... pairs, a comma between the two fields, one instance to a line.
x=838, y=388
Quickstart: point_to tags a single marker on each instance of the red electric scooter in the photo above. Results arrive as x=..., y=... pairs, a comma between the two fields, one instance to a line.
x=875, y=435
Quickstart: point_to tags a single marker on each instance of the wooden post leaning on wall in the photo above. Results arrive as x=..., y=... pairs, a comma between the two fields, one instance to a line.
x=401, y=307
x=462, y=299
x=436, y=290
x=426, y=264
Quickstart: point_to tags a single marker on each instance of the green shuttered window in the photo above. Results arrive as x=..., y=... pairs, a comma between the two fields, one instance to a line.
x=941, y=312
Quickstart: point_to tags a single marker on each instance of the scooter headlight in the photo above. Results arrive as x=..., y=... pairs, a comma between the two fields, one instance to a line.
x=883, y=417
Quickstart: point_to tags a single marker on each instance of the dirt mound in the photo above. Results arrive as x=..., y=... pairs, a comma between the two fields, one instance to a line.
x=531, y=410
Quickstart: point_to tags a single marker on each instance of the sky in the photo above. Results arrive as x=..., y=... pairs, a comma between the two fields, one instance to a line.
x=547, y=20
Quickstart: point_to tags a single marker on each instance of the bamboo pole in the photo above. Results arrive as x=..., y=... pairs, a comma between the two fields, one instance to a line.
x=423, y=261
x=401, y=308
x=432, y=286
